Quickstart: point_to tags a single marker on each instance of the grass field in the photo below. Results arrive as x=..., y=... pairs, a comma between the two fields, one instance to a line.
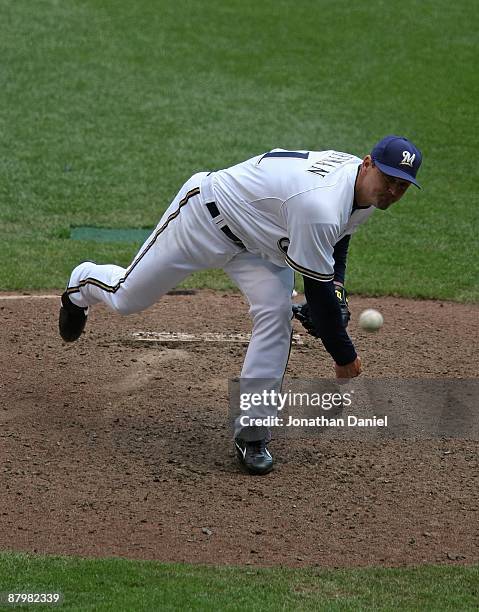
x=107, y=107
x=117, y=584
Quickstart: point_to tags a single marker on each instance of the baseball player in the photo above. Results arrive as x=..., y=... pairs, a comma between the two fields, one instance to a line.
x=261, y=220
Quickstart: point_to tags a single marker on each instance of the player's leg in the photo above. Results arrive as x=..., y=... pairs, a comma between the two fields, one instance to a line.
x=267, y=288
x=185, y=240
x=159, y=265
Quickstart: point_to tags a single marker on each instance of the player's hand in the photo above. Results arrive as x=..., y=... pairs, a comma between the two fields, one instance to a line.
x=350, y=370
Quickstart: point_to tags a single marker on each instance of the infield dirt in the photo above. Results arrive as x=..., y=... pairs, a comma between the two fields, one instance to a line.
x=113, y=448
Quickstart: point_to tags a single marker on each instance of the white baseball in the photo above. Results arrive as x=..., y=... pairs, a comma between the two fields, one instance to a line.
x=370, y=320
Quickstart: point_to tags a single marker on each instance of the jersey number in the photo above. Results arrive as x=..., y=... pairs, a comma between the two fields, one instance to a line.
x=296, y=154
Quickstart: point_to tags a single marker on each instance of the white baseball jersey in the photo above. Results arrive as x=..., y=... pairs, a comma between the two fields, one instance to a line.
x=292, y=207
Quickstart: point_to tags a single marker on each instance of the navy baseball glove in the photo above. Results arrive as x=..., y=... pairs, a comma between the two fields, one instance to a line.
x=301, y=311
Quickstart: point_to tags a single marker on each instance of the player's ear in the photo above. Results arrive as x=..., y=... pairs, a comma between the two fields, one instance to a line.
x=368, y=161
x=367, y=164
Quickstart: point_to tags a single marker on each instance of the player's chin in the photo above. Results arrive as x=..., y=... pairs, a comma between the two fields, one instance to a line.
x=382, y=205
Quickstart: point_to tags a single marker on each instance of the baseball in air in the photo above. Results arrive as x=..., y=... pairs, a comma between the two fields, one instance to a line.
x=370, y=320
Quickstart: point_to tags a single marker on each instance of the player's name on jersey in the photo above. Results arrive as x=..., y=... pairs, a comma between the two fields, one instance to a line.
x=318, y=421
x=332, y=161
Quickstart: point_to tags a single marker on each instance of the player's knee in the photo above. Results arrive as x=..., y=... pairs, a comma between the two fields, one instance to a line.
x=124, y=309
x=124, y=305
x=279, y=312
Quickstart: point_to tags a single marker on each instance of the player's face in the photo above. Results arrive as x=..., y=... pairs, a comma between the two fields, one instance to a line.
x=391, y=189
x=379, y=189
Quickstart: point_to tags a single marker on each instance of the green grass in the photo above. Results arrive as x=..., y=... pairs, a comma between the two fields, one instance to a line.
x=118, y=584
x=108, y=106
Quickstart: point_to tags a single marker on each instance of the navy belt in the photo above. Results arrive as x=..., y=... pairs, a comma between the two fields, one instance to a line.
x=214, y=212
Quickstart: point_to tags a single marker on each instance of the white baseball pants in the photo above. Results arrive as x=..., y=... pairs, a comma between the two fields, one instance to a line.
x=188, y=239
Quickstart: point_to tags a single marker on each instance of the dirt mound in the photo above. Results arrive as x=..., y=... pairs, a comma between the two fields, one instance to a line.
x=111, y=447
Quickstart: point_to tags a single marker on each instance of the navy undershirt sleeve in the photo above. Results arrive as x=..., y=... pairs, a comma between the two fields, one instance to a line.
x=326, y=316
x=340, y=255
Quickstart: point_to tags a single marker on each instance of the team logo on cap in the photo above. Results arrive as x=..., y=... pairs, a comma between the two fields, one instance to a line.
x=407, y=159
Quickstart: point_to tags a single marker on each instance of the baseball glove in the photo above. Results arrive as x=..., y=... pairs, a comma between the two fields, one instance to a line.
x=301, y=311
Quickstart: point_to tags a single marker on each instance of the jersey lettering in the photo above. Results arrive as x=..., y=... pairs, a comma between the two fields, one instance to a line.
x=324, y=166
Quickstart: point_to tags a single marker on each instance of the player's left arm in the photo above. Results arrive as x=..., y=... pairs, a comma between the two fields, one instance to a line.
x=313, y=233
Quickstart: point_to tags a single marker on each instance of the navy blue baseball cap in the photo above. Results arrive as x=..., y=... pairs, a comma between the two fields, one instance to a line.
x=397, y=156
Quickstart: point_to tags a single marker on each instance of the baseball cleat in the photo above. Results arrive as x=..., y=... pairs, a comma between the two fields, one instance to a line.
x=72, y=319
x=254, y=456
